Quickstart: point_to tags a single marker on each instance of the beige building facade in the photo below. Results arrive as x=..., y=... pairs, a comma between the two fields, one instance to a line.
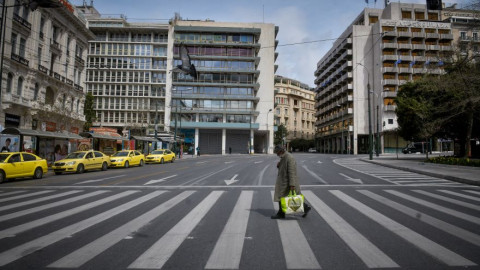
x=294, y=108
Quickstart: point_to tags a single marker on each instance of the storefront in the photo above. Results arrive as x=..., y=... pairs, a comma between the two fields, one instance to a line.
x=145, y=144
x=49, y=145
x=108, y=144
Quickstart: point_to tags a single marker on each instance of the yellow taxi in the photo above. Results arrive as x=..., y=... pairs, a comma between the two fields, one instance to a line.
x=160, y=156
x=81, y=161
x=21, y=164
x=127, y=158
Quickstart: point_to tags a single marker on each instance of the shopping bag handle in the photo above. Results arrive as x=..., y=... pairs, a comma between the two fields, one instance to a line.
x=292, y=193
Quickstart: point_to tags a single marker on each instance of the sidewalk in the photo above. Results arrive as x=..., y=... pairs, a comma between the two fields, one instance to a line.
x=416, y=163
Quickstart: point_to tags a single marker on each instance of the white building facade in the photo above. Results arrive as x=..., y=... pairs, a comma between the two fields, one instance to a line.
x=381, y=49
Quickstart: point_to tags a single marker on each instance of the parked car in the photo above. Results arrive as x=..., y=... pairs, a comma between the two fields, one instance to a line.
x=416, y=147
x=82, y=161
x=160, y=156
x=21, y=164
x=127, y=158
x=312, y=150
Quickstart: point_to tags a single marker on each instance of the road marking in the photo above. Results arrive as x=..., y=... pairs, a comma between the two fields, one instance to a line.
x=472, y=191
x=314, y=175
x=25, y=196
x=443, y=198
x=297, y=251
x=436, y=207
x=435, y=250
x=99, y=180
x=159, y=180
x=370, y=254
x=228, y=162
x=158, y=254
x=18, y=252
x=15, y=205
x=12, y=193
x=48, y=219
x=203, y=177
x=260, y=176
x=256, y=162
x=201, y=162
x=81, y=256
x=358, y=181
x=50, y=205
x=228, y=249
x=231, y=181
x=439, y=224
x=461, y=195
x=319, y=162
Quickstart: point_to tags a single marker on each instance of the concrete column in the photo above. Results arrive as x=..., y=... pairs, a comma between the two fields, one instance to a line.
x=196, y=140
x=224, y=140
x=251, y=142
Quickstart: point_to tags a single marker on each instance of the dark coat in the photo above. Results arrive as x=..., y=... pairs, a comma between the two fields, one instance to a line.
x=287, y=176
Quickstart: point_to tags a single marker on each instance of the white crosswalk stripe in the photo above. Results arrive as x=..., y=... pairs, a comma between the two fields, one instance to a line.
x=392, y=175
x=42, y=225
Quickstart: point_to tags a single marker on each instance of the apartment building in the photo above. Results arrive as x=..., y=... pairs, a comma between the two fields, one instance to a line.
x=43, y=73
x=132, y=75
x=358, y=79
x=465, y=30
x=295, y=108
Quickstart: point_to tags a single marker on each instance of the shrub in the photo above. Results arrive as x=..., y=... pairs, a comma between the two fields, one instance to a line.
x=455, y=161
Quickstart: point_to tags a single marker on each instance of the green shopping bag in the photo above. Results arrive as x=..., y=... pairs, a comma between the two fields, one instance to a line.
x=293, y=203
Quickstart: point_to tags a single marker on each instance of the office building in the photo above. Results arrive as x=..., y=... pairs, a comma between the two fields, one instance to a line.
x=378, y=52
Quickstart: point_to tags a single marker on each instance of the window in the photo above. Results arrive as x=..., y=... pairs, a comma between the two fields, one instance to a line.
x=14, y=43
x=390, y=121
x=20, y=86
x=373, y=19
x=49, y=96
x=22, y=46
x=14, y=158
x=406, y=14
x=39, y=55
x=35, y=91
x=28, y=157
x=475, y=36
x=463, y=35
x=78, y=105
x=98, y=154
x=9, y=82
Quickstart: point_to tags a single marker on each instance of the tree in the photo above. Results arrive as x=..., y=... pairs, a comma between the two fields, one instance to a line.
x=444, y=105
x=280, y=134
x=89, y=112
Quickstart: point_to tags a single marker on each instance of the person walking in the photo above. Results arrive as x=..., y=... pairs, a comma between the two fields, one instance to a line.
x=287, y=180
x=198, y=150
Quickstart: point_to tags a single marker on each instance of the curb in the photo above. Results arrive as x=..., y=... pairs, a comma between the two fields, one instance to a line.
x=447, y=177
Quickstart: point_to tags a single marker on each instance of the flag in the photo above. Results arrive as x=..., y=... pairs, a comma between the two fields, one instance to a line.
x=427, y=62
x=398, y=62
x=440, y=63
x=412, y=63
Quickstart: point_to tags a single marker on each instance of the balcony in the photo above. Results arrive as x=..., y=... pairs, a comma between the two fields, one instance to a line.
x=389, y=57
x=404, y=34
x=389, y=46
x=389, y=94
x=43, y=69
x=20, y=59
x=389, y=108
x=390, y=33
x=446, y=48
x=405, y=70
x=418, y=35
x=55, y=46
x=433, y=35
x=78, y=87
x=389, y=69
x=405, y=46
x=22, y=21
x=418, y=47
x=389, y=82
x=405, y=57
x=433, y=47
x=69, y=82
x=18, y=100
x=446, y=36
x=79, y=60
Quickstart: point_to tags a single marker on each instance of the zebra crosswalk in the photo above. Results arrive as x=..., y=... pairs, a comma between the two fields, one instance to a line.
x=394, y=176
x=159, y=229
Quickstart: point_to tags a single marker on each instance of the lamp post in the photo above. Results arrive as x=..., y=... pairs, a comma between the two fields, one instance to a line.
x=370, y=137
x=33, y=5
x=268, y=131
x=378, y=135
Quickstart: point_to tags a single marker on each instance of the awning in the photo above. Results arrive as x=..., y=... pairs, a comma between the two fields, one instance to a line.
x=143, y=138
x=102, y=136
x=39, y=133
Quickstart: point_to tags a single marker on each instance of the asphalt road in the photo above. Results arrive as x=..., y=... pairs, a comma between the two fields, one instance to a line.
x=213, y=212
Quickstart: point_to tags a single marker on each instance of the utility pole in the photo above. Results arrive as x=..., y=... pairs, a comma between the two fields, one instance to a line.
x=378, y=134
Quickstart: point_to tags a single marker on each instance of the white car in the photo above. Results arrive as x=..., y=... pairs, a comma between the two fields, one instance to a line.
x=312, y=150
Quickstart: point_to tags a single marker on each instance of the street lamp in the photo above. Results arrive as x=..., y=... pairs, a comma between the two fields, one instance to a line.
x=370, y=138
x=33, y=5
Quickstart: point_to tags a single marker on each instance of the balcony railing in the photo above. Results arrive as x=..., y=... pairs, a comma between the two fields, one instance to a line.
x=20, y=59
x=78, y=87
x=79, y=60
x=43, y=69
x=22, y=21
x=55, y=45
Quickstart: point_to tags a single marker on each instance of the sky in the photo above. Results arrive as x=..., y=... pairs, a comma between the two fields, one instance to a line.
x=320, y=21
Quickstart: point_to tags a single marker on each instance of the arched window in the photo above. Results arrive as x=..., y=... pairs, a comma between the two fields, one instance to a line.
x=20, y=86
x=35, y=91
x=9, y=82
x=49, y=96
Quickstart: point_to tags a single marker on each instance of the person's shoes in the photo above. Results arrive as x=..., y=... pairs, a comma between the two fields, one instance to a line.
x=307, y=209
x=278, y=216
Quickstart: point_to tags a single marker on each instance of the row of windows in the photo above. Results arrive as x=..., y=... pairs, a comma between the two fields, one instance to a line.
x=127, y=36
x=212, y=90
x=124, y=104
x=213, y=117
x=212, y=64
x=126, y=63
x=215, y=78
x=126, y=76
x=219, y=38
x=127, y=49
x=124, y=90
x=286, y=101
x=189, y=104
x=125, y=117
x=217, y=51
